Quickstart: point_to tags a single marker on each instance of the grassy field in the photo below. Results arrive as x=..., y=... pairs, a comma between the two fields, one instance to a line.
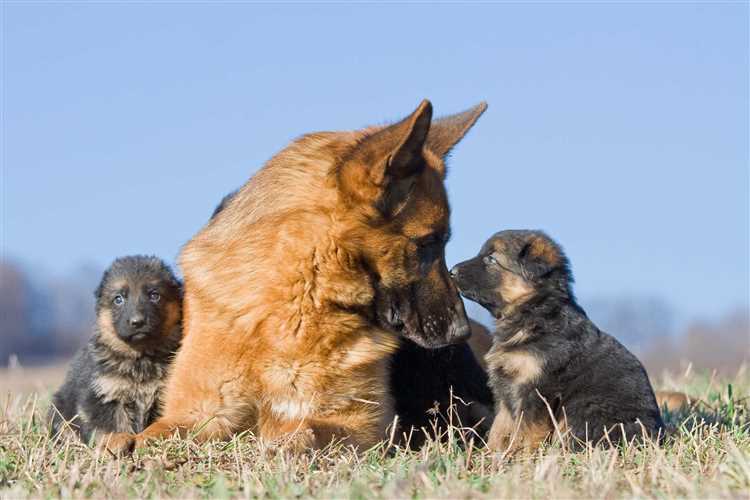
x=708, y=456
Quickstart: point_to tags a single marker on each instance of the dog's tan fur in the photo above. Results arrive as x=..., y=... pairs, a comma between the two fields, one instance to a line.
x=279, y=333
x=109, y=335
x=514, y=289
x=511, y=435
x=521, y=365
x=673, y=401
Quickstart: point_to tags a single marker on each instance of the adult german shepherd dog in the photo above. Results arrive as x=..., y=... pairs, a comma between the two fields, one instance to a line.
x=297, y=291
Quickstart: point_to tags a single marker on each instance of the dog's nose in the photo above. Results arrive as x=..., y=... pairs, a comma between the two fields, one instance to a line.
x=137, y=321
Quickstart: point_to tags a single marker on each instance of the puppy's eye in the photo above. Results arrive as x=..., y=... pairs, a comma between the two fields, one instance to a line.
x=154, y=297
x=490, y=260
x=118, y=300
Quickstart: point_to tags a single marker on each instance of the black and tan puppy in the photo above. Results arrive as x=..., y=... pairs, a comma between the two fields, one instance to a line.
x=548, y=360
x=114, y=382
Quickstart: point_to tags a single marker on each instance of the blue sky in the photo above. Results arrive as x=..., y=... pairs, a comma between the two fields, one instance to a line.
x=621, y=129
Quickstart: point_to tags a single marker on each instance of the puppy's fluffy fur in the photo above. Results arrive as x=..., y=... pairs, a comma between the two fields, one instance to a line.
x=548, y=360
x=114, y=382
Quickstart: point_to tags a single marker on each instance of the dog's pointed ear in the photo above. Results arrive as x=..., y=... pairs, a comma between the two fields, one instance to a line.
x=399, y=146
x=539, y=256
x=382, y=167
x=446, y=132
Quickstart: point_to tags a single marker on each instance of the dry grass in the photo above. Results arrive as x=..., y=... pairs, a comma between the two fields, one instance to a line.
x=707, y=457
x=22, y=381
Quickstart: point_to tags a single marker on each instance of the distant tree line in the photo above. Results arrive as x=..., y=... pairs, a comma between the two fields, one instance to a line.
x=43, y=318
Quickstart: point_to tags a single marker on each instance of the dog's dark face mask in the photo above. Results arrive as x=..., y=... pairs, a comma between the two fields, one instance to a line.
x=136, y=312
x=143, y=299
x=428, y=311
x=393, y=187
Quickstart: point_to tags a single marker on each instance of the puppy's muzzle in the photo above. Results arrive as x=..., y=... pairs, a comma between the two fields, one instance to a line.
x=455, y=273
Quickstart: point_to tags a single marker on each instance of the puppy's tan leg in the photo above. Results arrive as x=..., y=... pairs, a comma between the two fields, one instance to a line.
x=512, y=435
x=503, y=429
x=535, y=433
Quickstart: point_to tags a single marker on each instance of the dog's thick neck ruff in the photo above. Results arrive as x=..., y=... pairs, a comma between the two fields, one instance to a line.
x=305, y=262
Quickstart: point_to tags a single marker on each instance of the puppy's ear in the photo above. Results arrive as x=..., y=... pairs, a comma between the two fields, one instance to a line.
x=382, y=168
x=99, y=290
x=446, y=132
x=173, y=281
x=539, y=256
x=100, y=287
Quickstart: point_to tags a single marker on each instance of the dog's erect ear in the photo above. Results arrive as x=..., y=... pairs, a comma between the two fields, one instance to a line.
x=447, y=131
x=539, y=256
x=381, y=169
x=399, y=146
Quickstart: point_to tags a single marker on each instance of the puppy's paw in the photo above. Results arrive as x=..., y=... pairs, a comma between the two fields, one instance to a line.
x=119, y=443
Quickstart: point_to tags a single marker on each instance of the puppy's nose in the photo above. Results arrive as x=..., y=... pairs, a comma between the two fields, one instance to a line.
x=137, y=321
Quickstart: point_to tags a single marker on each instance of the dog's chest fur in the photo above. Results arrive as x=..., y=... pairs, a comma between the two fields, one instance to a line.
x=321, y=384
x=134, y=401
x=519, y=364
x=132, y=386
x=513, y=371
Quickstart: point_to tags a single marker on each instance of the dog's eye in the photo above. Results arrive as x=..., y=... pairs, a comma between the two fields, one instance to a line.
x=428, y=242
x=118, y=300
x=491, y=260
x=154, y=297
x=429, y=250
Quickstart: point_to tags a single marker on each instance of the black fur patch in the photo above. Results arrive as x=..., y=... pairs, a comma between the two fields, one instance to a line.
x=422, y=381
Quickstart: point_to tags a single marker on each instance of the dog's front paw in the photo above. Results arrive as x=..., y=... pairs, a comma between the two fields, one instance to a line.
x=119, y=443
